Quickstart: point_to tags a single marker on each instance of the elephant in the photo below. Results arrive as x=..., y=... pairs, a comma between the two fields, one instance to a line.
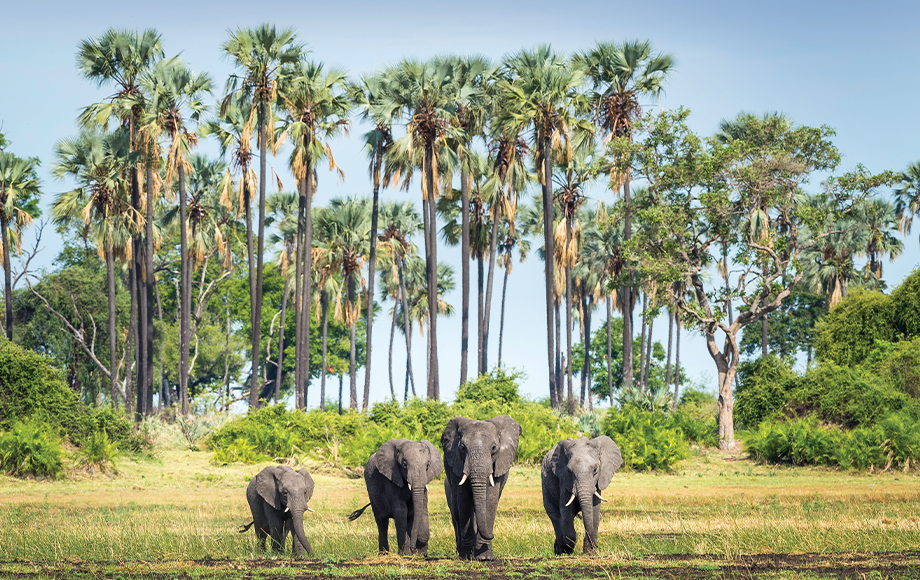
x=278, y=497
x=574, y=473
x=397, y=477
x=477, y=458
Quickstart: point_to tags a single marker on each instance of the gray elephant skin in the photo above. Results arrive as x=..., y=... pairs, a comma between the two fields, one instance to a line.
x=574, y=474
x=278, y=498
x=477, y=458
x=397, y=477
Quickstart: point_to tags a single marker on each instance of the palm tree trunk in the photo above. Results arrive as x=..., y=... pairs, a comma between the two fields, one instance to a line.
x=642, y=341
x=545, y=153
x=150, y=286
x=253, y=297
x=299, y=277
x=465, y=269
x=341, y=384
x=648, y=353
x=372, y=256
x=226, y=381
x=677, y=364
x=113, y=350
x=568, y=315
x=501, y=319
x=185, y=273
x=487, y=313
x=667, y=372
x=132, y=341
x=324, y=306
x=609, y=351
x=257, y=311
x=480, y=326
x=353, y=382
x=307, y=271
x=7, y=274
x=390, y=367
x=280, y=365
x=560, y=386
x=588, y=394
x=433, y=382
x=142, y=345
x=627, y=291
x=586, y=364
x=406, y=326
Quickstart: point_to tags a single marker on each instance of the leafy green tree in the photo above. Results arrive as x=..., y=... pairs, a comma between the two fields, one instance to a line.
x=259, y=53
x=19, y=193
x=792, y=327
x=905, y=301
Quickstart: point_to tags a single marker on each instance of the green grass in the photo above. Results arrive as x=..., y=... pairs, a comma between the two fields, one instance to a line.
x=177, y=515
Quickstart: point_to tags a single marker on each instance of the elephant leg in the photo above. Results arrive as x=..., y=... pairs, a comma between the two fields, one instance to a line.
x=452, y=507
x=261, y=534
x=551, y=505
x=275, y=528
x=466, y=524
x=569, y=537
x=402, y=532
x=383, y=541
x=410, y=525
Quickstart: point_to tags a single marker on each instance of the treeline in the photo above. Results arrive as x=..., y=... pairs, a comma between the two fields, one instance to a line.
x=719, y=232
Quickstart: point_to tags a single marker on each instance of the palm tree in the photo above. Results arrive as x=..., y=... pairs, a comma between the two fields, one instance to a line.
x=259, y=53
x=880, y=218
x=621, y=74
x=400, y=223
x=174, y=96
x=120, y=57
x=426, y=95
x=538, y=90
x=907, y=196
x=509, y=242
x=282, y=213
x=343, y=229
x=99, y=162
x=19, y=192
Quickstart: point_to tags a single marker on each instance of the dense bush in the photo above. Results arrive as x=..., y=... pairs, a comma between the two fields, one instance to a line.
x=349, y=439
x=696, y=416
x=31, y=448
x=848, y=333
x=894, y=441
x=905, y=301
x=897, y=364
x=647, y=439
x=764, y=387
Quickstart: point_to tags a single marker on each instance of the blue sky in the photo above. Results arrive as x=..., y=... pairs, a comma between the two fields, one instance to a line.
x=848, y=65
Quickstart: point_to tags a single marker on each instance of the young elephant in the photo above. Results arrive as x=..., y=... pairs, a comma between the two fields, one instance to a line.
x=477, y=458
x=278, y=497
x=397, y=478
x=574, y=473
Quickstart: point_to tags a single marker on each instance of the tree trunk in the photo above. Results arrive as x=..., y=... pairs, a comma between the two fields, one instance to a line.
x=545, y=150
x=226, y=381
x=568, y=336
x=253, y=296
x=307, y=270
x=353, y=383
x=642, y=342
x=392, y=336
x=609, y=351
x=142, y=345
x=480, y=326
x=501, y=320
x=341, y=384
x=627, y=291
x=8, y=276
x=132, y=341
x=324, y=306
x=280, y=366
x=407, y=328
x=257, y=311
x=372, y=256
x=150, y=286
x=185, y=299
x=560, y=386
x=667, y=367
x=433, y=383
x=648, y=353
x=465, y=269
x=764, y=335
x=299, y=307
x=113, y=340
x=677, y=363
x=487, y=312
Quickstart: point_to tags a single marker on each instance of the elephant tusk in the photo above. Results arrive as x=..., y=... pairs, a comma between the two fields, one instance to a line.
x=463, y=480
x=571, y=499
x=410, y=487
x=598, y=494
x=426, y=489
x=309, y=509
x=287, y=509
x=491, y=481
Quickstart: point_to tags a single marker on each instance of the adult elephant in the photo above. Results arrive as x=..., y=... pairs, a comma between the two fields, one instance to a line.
x=278, y=497
x=477, y=458
x=397, y=478
x=574, y=473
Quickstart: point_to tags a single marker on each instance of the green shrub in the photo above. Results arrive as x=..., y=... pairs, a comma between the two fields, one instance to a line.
x=499, y=387
x=98, y=452
x=847, y=397
x=31, y=448
x=696, y=416
x=848, y=333
x=897, y=364
x=764, y=387
x=31, y=389
x=905, y=300
x=798, y=441
x=647, y=439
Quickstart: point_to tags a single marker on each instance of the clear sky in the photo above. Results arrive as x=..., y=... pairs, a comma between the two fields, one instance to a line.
x=849, y=65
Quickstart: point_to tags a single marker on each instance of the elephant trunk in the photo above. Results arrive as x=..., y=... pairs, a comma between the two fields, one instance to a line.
x=297, y=526
x=484, y=523
x=586, y=500
x=419, y=534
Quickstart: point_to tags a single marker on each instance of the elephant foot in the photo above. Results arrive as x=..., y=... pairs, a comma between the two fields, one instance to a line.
x=484, y=554
x=564, y=546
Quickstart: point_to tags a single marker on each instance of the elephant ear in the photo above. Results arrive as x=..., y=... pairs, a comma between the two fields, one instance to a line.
x=434, y=465
x=450, y=442
x=267, y=487
x=560, y=459
x=610, y=457
x=385, y=460
x=308, y=481
x=509, y=432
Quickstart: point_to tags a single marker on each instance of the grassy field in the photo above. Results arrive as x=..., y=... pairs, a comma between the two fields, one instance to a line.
x=176, y=515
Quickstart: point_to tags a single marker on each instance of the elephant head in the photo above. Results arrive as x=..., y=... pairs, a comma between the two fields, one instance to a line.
x=411, y=464
x=584, y=468
x=288, y=491
x=479, y=452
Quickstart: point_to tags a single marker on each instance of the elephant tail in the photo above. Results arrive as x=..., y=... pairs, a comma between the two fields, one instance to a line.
x=357, y=513
x=246, y=527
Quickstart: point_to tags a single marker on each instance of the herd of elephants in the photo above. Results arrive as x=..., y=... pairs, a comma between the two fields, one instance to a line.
x=477, y=459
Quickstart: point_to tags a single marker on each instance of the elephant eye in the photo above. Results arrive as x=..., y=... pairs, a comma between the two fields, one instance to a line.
x=463, y=447
x=494, y=447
